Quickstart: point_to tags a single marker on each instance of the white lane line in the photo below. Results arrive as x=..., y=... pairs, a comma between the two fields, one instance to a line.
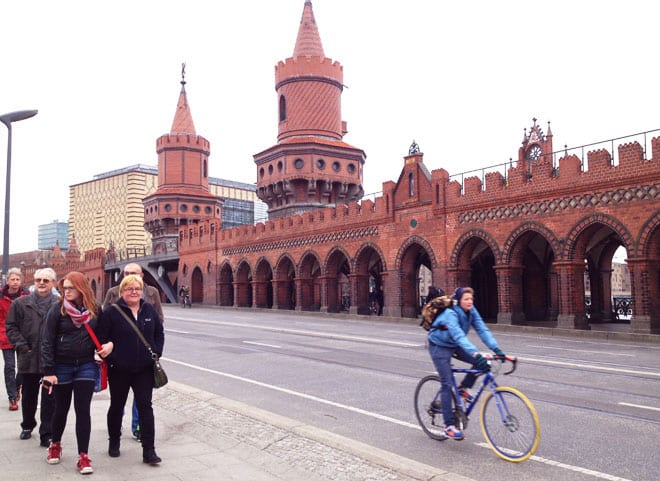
x=589, y=366
x=328, y=335
x=177, y=331
x=296, y=393
x=640, y=406
x=570, y=467
x=262, y=344
x=608, y=353
x=380, y=417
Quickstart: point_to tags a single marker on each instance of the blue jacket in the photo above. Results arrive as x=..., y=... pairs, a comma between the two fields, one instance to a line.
x=456, y=324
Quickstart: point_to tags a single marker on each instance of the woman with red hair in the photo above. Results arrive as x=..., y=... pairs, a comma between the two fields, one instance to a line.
x=70, y=370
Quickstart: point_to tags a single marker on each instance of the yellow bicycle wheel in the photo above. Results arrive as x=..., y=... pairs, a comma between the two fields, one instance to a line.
x=510, y=424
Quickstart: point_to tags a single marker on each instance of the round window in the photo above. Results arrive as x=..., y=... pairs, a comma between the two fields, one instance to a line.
x=320, y=164
x=280, y=166
x=183, y=208
x=270, y=170
x=207, y=210
x=261, y=172
x=196, y=209
x=299, y=163
x=336, y=167
x=168, y=207
x=351, y=168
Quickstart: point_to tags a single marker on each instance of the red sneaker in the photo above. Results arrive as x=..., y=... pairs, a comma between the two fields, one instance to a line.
x=465, y=394
x=54, y=453
x=13, y=405
x=85, y=464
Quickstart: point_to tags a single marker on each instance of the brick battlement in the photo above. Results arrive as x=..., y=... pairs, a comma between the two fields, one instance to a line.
x=178, y=140
x=308, y=66
x=570, y=176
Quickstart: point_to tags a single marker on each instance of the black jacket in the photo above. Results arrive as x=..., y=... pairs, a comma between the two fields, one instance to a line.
x=64, y=343
x=129, y=353
x=24, y=325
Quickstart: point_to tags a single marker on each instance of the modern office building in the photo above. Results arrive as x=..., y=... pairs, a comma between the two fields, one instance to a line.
x=53, y=233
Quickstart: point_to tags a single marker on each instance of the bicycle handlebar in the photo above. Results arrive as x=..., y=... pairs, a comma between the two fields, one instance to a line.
x=512, y=359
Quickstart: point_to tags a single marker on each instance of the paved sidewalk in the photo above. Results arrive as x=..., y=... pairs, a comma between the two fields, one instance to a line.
x=202, y=436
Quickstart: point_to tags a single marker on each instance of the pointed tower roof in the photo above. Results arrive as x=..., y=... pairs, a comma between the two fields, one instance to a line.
x=183, y=121
x=309, y=40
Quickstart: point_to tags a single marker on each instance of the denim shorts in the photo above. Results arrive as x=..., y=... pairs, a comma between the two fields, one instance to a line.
x=68, y=373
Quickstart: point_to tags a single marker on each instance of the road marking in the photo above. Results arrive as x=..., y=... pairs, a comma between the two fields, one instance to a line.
x=589, y=366
x=177, y=331
x=609, y=353
x=570, y=467
x=381, y=417
x=302, y=332
x=640, y=406
x=262, y=344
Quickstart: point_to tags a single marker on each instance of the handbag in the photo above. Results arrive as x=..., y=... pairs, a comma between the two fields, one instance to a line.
x=160, y=376
x=101, y=381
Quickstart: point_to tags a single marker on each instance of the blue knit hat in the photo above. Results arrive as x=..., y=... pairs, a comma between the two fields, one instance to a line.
x=458, y=293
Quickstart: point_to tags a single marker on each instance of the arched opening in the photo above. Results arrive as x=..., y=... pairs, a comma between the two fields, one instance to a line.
x=412, y=259
x=475, y=269
x=310, y=283
x=337, y=283
x=243, y=286
x=368, y=282
x=263, y=285
x=284, y=284
x=197, y=286
x=226, y=286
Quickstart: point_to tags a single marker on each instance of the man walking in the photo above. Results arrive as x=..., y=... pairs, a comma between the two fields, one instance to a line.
x=25, y=320
x=12, y=290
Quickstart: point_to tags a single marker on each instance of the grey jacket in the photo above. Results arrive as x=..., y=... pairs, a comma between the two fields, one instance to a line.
x=24, y=327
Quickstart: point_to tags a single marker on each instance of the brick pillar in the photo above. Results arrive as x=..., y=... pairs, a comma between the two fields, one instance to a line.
x=298, y=291
x=324, y=294
x=509, y=294
x=276, y=293
x=645, y=289
x=572, y=313
x=391, y=293
x=305, y=293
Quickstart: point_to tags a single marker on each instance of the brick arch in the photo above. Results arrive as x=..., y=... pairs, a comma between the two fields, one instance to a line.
x=262, y=283
x=467, y=237
x=336, y=291
x=420, y=241
x=572, y=239
x=197, y=284
x=284, y=275
x=511, y=245
x=309, y=284
x=648, y=242
x=242, y=283
x=369, y=262
x=369, y=245
x=225, y=283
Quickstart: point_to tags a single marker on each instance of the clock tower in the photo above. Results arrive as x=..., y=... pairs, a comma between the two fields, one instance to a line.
x=536, y=146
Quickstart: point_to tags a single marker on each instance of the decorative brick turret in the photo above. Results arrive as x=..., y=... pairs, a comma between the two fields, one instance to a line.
x=310, y=167
x=183, y=195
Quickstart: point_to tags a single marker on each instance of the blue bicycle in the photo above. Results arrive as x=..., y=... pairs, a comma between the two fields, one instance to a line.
x=508, y=419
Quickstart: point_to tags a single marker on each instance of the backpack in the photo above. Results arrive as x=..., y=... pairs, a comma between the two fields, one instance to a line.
x=432, y=309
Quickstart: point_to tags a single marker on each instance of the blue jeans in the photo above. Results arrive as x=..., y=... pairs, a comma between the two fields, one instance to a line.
x=12, y=380
x=442, y=357
x=67, y=373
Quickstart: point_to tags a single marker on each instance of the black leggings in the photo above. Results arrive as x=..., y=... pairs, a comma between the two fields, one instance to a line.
x=82, y=401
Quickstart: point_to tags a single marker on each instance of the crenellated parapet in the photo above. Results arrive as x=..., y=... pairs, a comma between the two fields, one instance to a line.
x=183, y=140
x=306, y=67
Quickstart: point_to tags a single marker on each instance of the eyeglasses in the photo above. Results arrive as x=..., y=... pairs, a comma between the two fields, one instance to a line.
x=39, y=281
x=133, y=289
x=68, y=288
x=131, y=273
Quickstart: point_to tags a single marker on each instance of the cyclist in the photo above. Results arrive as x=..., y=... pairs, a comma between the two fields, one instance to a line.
x=448, y=337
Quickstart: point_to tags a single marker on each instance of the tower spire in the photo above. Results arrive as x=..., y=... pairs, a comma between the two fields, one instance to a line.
x=183, y=121
x=308, y=42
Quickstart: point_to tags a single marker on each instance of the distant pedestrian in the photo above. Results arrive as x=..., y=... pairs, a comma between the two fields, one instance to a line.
x=130, y=364
x=12, y=290
x=25, y=320
x=70, y=370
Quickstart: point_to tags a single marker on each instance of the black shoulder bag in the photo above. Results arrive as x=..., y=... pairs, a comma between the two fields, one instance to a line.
x=160, y=376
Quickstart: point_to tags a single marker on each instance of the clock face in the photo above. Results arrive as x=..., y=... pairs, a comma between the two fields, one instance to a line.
x=534, y=153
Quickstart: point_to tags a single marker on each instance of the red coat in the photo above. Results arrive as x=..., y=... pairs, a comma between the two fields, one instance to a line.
x=5, y=304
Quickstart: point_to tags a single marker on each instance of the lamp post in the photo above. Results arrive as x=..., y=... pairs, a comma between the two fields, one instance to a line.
x=8, y=119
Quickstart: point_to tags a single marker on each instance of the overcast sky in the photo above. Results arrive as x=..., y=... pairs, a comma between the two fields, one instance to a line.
x=461, y=78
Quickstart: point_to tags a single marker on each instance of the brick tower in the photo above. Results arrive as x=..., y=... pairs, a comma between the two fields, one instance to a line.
x=310, y=166
x=183, y=196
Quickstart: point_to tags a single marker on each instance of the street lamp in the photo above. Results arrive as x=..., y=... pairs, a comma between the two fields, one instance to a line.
x=8, y=119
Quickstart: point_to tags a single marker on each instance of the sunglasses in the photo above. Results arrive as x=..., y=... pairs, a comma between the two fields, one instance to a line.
x=39, y=281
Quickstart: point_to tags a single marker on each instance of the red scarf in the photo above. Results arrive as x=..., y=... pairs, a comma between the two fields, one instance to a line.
x=79, y=318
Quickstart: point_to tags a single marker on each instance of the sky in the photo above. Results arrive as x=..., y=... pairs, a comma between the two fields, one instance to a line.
x=462, y=79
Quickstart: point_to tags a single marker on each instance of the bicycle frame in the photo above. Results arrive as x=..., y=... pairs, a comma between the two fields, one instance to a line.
x=488, y=381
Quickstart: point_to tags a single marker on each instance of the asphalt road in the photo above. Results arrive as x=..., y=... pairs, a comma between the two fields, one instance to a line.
x=598, y=401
